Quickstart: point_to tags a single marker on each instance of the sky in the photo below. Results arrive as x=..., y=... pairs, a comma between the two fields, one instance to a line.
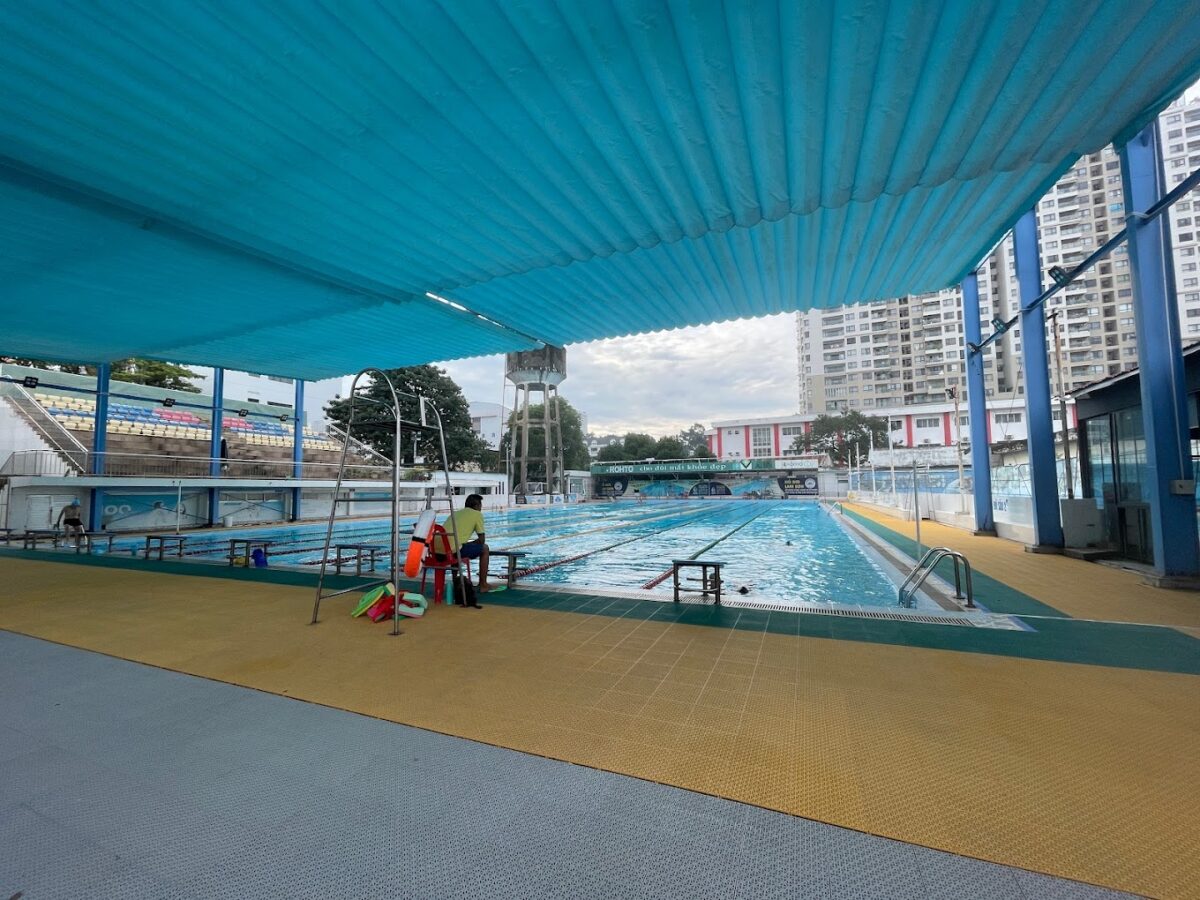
x=664, y=382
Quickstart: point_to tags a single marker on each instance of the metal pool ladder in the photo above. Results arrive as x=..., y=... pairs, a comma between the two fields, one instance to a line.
x=924, y=568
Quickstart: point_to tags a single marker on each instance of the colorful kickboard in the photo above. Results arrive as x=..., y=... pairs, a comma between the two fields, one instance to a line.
x=370, y=597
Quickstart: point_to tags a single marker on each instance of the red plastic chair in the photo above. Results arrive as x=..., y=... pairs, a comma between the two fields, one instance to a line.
x=440, y=568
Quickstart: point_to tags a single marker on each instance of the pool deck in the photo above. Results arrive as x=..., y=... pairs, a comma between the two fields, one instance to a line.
x=1069, y=750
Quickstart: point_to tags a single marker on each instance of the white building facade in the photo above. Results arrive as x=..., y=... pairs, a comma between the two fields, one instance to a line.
x=487, y=421
x=927, y=426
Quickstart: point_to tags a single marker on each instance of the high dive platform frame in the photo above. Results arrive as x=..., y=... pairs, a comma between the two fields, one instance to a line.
x=424, y=404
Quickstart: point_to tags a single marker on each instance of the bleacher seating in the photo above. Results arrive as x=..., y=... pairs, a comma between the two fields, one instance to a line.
x=78, y=413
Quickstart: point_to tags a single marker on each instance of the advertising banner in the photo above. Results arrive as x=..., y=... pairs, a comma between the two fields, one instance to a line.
x=800, y=485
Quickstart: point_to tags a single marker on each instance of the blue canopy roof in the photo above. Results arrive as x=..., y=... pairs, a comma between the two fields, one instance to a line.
x=280, y=186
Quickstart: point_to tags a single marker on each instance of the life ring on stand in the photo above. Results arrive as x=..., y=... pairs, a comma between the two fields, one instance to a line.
x=420, y=538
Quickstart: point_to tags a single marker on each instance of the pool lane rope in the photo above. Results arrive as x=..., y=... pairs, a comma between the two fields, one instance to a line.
x=659, y=579
x=625, y=523
x=385, y=553
x=531, y=570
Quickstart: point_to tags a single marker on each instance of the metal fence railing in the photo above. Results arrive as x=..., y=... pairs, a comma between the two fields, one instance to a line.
x=49, y=462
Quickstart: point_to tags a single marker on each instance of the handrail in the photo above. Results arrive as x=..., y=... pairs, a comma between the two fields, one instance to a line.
x=61, y=441
x=925, y=567
x=424, y=406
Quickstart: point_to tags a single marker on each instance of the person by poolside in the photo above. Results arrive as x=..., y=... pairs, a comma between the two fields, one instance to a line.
x=466, y=522
x=70, y=517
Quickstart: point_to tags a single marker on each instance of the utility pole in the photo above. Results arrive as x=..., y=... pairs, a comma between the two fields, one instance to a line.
x=1062, y=405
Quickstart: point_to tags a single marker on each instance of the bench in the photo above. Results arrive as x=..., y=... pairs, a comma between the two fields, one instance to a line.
x=250, y=544
x=162, y=542
x=710, y=577
x=513, y=557
x=359, y=550
x=31, y=538
x=90, y=540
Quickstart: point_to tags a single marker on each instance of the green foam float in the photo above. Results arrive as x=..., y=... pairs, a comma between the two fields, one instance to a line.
x=370, y=597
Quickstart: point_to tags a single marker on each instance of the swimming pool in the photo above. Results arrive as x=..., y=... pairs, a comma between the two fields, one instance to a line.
x=786, y=552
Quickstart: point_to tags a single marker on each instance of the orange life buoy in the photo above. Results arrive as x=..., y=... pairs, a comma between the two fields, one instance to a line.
x=420, y=537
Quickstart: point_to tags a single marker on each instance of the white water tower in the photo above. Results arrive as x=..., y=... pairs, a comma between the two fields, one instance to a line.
x=537, y=372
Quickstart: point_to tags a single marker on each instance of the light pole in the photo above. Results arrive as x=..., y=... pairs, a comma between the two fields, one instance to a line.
x=1062, y=405
x=952, y=393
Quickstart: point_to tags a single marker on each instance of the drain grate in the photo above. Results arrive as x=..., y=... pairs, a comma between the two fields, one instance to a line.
x=846, y=612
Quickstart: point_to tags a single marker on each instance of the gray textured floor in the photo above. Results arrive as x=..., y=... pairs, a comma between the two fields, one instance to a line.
x=120, y=780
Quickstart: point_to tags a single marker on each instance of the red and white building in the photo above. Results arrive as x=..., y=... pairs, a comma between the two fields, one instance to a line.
x=930, y=425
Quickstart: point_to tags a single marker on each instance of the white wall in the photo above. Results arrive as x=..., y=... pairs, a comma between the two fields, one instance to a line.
x=16, y=435
x=733, y=442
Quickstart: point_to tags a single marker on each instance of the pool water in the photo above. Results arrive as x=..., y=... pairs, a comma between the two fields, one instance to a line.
x=788, y=552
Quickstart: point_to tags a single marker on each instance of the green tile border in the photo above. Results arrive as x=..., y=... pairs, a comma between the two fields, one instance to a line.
x=1146, y=647
x=989, y=592
x=295, y=577
x=1149, y=647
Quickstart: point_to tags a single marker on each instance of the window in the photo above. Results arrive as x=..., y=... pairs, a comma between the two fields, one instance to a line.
x=931, y=422
x=281, y=380
x=761, y=441
x=1008, y=418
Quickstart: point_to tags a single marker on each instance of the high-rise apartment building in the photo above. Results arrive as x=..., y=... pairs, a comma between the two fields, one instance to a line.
x=908, y=351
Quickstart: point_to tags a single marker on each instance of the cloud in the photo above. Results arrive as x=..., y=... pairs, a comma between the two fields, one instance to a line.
x=662, y=382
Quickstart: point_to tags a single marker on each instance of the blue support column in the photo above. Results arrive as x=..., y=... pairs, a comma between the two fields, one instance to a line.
x=1043, y=467
x=214, y=447
x=981, y=454
x=298, y=447
x=99, y=445
x=1169, y=471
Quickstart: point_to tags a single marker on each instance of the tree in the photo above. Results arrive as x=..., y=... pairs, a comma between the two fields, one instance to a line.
x=704, y=453
x=670, y=448
x=42, y=364
x=638, y=445
x=150, y=372
x=575, y=452
x=153, y=373
x=612, y=453
x=693, y=438
x=840, y=436
x=374, y=425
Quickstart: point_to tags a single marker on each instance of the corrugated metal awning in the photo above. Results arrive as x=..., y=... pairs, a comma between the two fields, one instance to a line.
x=278, y=186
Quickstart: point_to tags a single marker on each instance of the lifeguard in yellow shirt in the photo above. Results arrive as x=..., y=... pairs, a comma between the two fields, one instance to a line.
x=464, y=523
